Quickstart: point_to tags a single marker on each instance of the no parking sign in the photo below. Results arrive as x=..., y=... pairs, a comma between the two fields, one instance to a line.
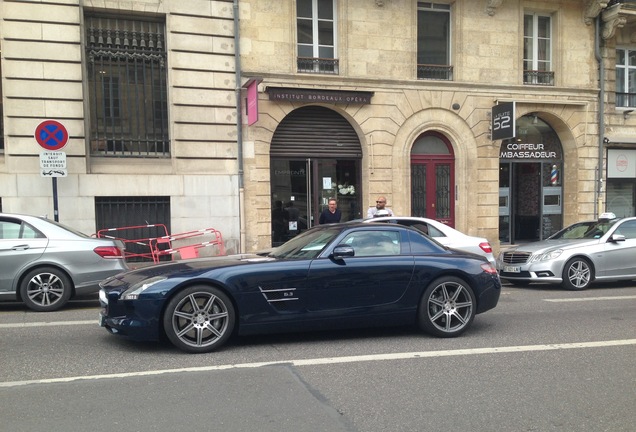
x=51, y=135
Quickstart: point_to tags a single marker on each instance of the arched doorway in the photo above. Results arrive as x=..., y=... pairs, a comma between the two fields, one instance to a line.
x=433, y=178
x=530, y=182
x=315, y=155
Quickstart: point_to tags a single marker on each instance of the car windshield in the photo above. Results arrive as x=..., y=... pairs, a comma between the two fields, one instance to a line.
x=585, y=230
x=305, y=246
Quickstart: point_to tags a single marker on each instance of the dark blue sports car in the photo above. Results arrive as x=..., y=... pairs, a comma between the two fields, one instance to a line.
x=331, y=276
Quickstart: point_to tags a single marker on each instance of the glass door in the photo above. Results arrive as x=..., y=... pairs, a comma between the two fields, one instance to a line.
x=301, y=190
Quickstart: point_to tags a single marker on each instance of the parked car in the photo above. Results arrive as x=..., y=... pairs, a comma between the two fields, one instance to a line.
x=444, y=234
x=576, y=256
x=331, y=276
x=44, y=263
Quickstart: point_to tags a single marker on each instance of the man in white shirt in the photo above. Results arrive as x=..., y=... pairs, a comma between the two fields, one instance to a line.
x=380, y=204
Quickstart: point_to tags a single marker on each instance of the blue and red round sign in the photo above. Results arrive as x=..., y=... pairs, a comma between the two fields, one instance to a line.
x=51, y=135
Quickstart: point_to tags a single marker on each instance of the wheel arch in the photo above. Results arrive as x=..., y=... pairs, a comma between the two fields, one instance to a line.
x=199, y=282
x=40, y=265
x=451, y=273
x=589, y=260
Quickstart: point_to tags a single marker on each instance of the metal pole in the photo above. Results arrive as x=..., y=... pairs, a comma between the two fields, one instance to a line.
x=56, y=215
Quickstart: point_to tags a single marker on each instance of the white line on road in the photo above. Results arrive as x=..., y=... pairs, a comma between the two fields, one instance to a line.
x=591, y=299
x=337, y=360
x=47, y=324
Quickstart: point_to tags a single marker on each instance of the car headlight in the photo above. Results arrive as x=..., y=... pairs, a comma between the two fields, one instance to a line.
x=133, y=292
x=548, y=255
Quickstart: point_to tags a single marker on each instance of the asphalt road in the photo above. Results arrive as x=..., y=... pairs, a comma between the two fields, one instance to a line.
x=543, y=360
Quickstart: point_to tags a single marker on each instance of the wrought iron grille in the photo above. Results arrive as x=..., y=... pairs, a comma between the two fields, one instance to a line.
x=126, y=61
x=119, y=212
x=318, y=65
x=418, y=190
x=435, y=72
x=443, y=190
x=538, y=77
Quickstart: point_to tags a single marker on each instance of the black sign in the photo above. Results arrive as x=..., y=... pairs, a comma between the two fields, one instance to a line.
x=316, y=95
x=502, y=121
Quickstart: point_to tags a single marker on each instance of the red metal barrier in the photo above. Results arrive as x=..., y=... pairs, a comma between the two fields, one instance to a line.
x=137, y=239
x=190, y=250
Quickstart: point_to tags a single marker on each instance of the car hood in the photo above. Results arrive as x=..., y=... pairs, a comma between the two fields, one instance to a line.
x=188, y=268
x=544, y=245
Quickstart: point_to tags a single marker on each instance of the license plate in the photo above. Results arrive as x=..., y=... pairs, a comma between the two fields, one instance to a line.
x=101, y=320
x=512, y=269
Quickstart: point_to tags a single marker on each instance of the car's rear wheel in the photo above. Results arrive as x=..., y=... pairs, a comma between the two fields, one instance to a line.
x=45, y=289
x=577, y=274
x=199, y=319
x=447, y=307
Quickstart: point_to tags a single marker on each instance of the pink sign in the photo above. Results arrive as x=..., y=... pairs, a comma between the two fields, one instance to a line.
x=252, y=102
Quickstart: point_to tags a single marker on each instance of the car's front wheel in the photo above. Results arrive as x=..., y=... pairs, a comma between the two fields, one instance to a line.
x=45, y=289
x=447, y=307
x=577, y=274
x=199, y=319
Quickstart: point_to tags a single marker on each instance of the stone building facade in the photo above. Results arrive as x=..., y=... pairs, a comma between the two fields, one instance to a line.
x=484, y=114
x=146, y=91
x=432, y=83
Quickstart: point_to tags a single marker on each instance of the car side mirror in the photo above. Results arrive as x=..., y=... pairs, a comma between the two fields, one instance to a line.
x=342, y=251
x=615, y=238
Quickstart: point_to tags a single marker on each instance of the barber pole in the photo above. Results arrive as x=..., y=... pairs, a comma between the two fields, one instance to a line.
x=554, y=176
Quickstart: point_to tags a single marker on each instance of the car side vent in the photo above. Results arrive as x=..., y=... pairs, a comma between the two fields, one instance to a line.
x=282, y=299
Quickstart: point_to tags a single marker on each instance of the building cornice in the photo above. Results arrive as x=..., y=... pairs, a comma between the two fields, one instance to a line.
x=593, y=9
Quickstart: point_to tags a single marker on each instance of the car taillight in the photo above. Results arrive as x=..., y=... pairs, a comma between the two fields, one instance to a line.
x=489, y=268
x=108, y=252
x=485, y=246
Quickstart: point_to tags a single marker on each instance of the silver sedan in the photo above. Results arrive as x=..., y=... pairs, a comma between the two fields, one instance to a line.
x=44, y=263
x=444, y=234
x=575, y=256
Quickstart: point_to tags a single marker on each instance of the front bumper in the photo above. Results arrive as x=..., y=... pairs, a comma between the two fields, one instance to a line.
x=550, y=271
x=137, y=320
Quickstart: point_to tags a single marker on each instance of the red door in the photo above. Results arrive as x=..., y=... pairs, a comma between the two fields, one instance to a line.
x=433, y=179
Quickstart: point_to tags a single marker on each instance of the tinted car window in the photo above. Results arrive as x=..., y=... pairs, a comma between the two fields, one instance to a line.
x=628, y=229
x=421, y=245
x=15, y=230
x=374, y=243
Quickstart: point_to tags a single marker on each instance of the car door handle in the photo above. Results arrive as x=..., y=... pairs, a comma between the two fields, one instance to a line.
x=20, y=247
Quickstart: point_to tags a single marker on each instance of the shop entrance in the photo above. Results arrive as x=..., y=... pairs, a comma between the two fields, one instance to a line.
x=315, y=155
x=530, y=183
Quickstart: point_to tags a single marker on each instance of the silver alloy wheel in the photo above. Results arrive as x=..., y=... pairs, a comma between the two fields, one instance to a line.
x=45, y=289
x=200, y=320
x=577, y=274
x=447, y=307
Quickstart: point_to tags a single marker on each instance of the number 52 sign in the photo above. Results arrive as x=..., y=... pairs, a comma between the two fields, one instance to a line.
x=502, y=121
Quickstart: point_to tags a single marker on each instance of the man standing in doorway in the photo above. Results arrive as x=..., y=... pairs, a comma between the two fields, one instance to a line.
x=380, y=204
x=331, y=214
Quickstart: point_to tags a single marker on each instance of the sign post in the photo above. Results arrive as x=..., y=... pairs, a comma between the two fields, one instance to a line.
x=51, y=135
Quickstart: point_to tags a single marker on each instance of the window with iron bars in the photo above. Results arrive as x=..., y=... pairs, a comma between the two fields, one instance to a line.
x=434, y=41
x=625, y=78
x=128, y=96
x=317, y=37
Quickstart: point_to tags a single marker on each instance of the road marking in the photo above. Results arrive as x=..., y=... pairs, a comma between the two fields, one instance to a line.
x=47, y=324
x=591, y=299
x=336, y=360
